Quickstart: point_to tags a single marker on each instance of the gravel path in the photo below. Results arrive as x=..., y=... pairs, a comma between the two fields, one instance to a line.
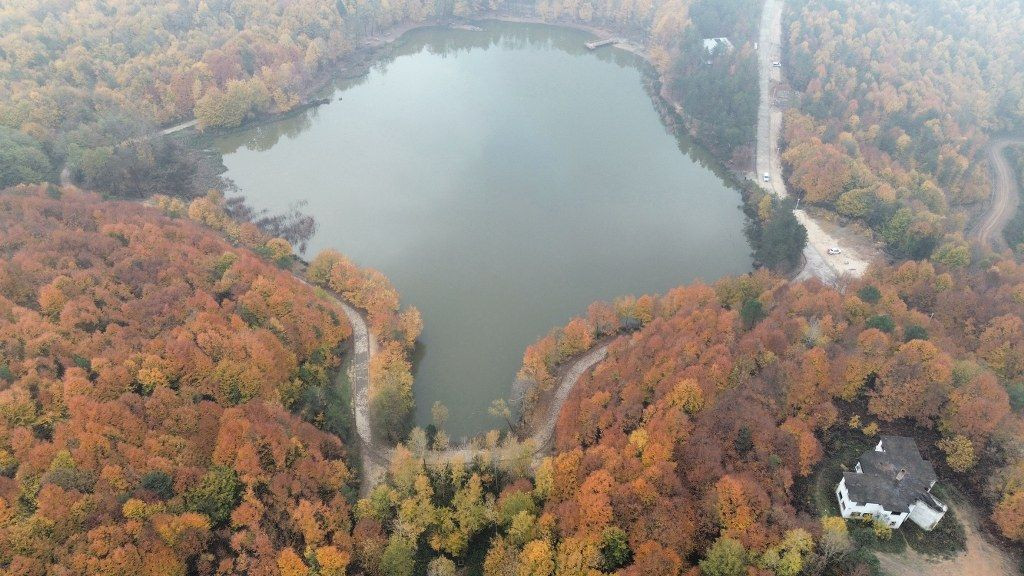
x=1005, y=195
x=376, y=454
x=544, y=436
x=981, y=558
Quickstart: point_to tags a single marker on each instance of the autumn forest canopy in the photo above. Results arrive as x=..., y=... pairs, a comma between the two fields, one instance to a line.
x=172, y=392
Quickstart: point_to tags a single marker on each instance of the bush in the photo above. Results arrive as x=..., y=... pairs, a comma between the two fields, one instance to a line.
x=399, y=557
x=158, y=483
x=881, y=322
x=1016, y=392
x=779, y=241
x=751, y=313
x=869, y=294
x=615, y=550
x=914, y=332
x=959, y=452
x=216, y=495
x=22, y=159
x=71, y=479
x=864, y=534
x=882, y=530
x=391, y=411
x=727, y=557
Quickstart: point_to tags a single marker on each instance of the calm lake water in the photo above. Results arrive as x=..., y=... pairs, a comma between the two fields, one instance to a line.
x=503, y=179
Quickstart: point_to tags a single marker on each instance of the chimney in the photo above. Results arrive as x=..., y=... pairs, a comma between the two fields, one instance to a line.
x=901, y=474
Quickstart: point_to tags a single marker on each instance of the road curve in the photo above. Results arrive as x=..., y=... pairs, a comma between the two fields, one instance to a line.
x=1005, y=195
x=376, y=455
x=542, y=439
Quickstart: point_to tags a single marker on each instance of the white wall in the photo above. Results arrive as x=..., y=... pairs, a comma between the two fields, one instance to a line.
x=861, y=509
x=924, y=516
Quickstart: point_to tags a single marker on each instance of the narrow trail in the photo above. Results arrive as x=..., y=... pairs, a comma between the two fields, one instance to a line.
x=1005, y=195
x=179, y=127
x=377, y=454
x=65, y=170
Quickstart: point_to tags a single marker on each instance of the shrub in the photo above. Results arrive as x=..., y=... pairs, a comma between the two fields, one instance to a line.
x=727, y=557
x=869, y=294
x=158, y=483
x=914, y=332
x=881, y=322
x=216, y=495
x=751, y=313
x=615, y=550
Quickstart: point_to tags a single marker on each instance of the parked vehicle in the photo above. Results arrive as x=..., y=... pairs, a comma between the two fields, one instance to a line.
x=767, y=177
x=833, y=251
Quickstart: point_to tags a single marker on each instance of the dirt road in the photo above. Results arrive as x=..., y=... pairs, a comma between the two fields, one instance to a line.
x=981, y=558
x=179, y=127
x=1005, y=195
x=544, y=435
x=376, y=454
x=855, y=254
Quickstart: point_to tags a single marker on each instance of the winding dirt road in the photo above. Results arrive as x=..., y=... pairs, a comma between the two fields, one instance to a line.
x=1005, y=195
x=377, y=454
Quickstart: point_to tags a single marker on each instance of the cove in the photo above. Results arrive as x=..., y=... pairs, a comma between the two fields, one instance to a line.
x=503, y=178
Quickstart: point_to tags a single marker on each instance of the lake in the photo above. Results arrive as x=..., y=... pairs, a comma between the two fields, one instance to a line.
x=503, y=179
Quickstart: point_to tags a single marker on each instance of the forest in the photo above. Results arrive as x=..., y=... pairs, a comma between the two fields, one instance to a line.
x=167, y=394
x=897, y=102
x=689, y=449
x=163, y=397
x=163, y=387
x=715, y=411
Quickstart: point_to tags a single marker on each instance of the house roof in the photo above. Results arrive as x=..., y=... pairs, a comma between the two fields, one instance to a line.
x=880, y=482
x=711, y=43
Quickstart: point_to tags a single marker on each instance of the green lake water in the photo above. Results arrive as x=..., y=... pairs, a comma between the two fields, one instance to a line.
x=503, y=179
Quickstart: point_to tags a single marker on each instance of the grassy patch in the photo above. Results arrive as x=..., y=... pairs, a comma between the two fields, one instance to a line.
x=946, y=541
x=843, y=447
x=864, y=535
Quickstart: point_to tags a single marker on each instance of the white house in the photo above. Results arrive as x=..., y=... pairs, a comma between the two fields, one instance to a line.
x=891, y=483
x=711, y=44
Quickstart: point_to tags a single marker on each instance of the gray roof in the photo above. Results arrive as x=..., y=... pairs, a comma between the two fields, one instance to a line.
x=878, y=483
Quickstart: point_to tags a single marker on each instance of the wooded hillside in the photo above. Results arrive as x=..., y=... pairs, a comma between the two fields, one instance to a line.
x=897, y=102
x=151, y=377
x=691, y=436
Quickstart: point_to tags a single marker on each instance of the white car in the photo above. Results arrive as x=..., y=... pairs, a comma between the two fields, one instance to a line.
x=833, y=251
x=766, y=177
x=776, y=64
